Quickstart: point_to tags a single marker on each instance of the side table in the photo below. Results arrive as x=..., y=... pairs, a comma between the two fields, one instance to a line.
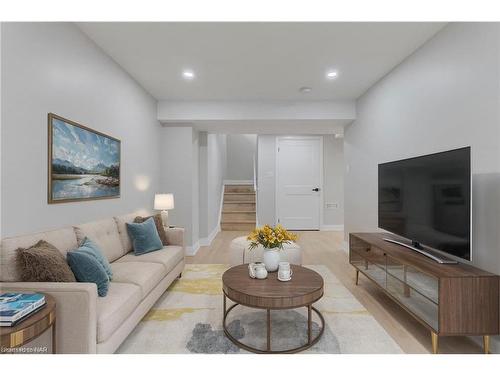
x=30, y=328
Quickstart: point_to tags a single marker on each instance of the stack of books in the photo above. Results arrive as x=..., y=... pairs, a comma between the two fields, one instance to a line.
x=15, y=307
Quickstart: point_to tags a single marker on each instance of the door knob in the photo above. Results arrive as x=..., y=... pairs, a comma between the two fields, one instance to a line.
x=315, y=189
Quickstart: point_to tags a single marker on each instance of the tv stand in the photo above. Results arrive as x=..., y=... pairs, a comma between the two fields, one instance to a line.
x=449, y=300
x=421, y=250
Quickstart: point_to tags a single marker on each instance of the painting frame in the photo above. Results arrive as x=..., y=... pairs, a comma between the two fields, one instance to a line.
x=50, y=147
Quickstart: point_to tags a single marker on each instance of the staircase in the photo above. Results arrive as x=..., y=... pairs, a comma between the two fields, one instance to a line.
x=238, y=210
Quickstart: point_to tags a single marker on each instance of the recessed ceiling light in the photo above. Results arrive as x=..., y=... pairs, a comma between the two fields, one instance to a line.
x=305, y=90
x=332, y=74
x=188, y=74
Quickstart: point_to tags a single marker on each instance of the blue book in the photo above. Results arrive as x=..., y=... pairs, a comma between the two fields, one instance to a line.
x=8, y=297
x=15, y=309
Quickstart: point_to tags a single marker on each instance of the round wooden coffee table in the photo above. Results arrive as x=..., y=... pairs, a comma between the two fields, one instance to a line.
x=305, y=288
x=31, y=328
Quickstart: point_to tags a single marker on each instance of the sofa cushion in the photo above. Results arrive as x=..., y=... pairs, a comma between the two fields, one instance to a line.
x=63, y=239
x=145, y=275
x=168, y=256
x=105, y=234
x=122, y=299
x=121, y=223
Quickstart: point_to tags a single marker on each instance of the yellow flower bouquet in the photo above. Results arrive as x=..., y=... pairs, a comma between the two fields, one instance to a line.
x=270, y=237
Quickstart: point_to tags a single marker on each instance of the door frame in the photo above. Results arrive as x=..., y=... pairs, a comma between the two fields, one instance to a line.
x=321, y=171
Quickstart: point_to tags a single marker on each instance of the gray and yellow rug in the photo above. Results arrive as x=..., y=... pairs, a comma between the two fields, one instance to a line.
x=188, y=319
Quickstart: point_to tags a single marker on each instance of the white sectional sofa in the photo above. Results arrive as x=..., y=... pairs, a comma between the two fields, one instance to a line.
x=86, y=323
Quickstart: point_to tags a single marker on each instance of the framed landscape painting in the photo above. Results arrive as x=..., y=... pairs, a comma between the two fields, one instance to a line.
x=83, y=164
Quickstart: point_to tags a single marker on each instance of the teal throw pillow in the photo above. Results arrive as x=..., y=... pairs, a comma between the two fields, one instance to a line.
x=91, y=248
x=144, y=237
x=87, y=269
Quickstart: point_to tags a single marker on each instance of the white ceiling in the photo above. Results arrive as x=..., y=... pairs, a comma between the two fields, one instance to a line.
x=258, y=61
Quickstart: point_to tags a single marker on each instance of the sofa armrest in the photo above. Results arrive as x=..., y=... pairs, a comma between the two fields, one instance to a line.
x=175, y=236
x=76, y=312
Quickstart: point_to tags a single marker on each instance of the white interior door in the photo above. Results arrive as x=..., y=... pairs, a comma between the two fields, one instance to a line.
x=299, y=182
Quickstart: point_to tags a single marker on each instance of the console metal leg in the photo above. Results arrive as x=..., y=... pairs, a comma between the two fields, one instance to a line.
x=357, y=277
x=268, y=330
x=486, y=344
x=54, y=351
x=435, y=342
x=309, y=324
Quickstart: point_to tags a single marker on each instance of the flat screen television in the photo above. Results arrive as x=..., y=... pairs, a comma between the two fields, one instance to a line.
x=427, y=200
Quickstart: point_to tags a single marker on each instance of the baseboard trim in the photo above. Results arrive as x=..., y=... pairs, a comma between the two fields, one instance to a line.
x=192, y=250
x=332, y=228
x=207, y=241
x=221, y=206
x=345, y=246
x=238, y=182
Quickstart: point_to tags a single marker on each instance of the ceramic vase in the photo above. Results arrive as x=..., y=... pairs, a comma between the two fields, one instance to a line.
x=271, y=259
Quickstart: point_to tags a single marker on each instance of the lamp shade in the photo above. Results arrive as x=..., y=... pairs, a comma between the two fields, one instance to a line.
x=164, y=202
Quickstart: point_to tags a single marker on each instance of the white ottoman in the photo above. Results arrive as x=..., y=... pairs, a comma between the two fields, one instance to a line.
x=240, y=253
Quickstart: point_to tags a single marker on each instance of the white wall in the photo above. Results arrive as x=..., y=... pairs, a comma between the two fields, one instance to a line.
x=192, y=168
x=444, y=96
x=333, y=176
x=195, y=181
x=53, y=67
x=266, y=168
x=203, y=183
x=212, y=159
x=176, y=158
x=216, y=174
x=241, y=149
x=180, y=111
x=333, y=181
x=1, y=117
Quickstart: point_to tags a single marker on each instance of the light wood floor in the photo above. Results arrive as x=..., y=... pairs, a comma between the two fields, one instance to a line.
x=326, y=248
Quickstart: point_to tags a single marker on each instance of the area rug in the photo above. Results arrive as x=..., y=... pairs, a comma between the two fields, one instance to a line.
x=188, y=319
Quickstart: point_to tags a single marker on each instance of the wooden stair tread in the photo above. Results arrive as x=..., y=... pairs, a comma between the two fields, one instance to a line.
x=238, y=222
x=239, y=208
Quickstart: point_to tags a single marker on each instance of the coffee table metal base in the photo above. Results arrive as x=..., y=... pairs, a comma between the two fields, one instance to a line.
x=310, y=340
